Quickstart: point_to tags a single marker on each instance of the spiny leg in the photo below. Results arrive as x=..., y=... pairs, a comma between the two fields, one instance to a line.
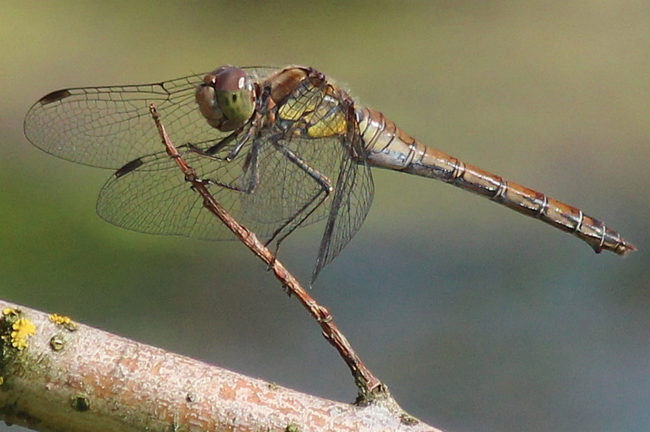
x=251, y=162
x=324, y=193
x=221, y=144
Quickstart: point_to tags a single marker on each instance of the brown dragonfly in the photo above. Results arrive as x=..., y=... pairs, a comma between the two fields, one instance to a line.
x=279, y=148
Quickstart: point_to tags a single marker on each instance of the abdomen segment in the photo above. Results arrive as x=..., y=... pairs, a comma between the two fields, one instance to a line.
x=389, y=147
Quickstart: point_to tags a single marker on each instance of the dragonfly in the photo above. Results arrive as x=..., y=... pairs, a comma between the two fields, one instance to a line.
x=279, y=148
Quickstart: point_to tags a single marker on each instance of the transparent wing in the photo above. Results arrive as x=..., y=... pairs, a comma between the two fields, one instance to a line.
x=285, y=188
x=305, y=157
x=348, y=209
x=277, y=182
x=155, y=198
x=108, y=127
x=156, y=204
x=297, y=199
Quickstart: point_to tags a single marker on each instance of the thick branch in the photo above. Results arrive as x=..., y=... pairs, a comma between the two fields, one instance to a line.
x=59, y=375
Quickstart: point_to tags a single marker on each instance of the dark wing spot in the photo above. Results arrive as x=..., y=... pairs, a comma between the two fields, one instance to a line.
x=131, y=166
x=55, y=96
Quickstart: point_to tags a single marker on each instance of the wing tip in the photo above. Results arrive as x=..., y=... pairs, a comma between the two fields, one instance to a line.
x=55, y=96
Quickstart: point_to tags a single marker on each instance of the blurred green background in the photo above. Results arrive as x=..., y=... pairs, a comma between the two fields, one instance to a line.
x=477, y=318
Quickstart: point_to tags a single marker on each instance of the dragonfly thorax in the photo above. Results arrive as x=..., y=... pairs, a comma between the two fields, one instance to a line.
x=226, y=98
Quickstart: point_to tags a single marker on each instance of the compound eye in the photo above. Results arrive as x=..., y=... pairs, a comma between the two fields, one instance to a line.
x=226, y=98
x=229, y=79
x=235, y=97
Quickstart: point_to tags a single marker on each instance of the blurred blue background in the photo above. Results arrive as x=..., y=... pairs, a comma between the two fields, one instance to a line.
x=477, y=318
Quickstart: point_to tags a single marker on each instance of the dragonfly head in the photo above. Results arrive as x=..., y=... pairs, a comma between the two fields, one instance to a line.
x=226, y=98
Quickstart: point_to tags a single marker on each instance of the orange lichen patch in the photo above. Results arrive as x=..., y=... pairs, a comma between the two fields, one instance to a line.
x=63, y=321
x=22, y=329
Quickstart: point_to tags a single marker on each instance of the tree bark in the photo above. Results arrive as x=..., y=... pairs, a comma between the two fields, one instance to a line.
x=59, y=375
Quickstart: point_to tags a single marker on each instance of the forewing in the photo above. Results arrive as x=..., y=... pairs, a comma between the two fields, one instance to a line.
x=108, y=127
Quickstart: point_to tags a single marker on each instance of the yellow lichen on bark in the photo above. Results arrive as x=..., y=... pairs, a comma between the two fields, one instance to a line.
x=63, y=321
x=22, y=329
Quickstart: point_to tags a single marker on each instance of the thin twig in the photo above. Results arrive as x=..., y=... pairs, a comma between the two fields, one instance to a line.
x=369, y=386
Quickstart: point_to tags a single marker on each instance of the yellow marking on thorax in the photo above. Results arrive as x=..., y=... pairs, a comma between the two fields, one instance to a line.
x=319, y=116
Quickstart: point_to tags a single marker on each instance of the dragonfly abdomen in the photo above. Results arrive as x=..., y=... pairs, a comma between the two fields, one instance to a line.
x=389, y=147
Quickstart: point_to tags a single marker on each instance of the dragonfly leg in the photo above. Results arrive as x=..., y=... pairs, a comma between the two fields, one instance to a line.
x=220, y=145
x=301, y=215
x=252, y=130
x=251, y=163
x=216, y=182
